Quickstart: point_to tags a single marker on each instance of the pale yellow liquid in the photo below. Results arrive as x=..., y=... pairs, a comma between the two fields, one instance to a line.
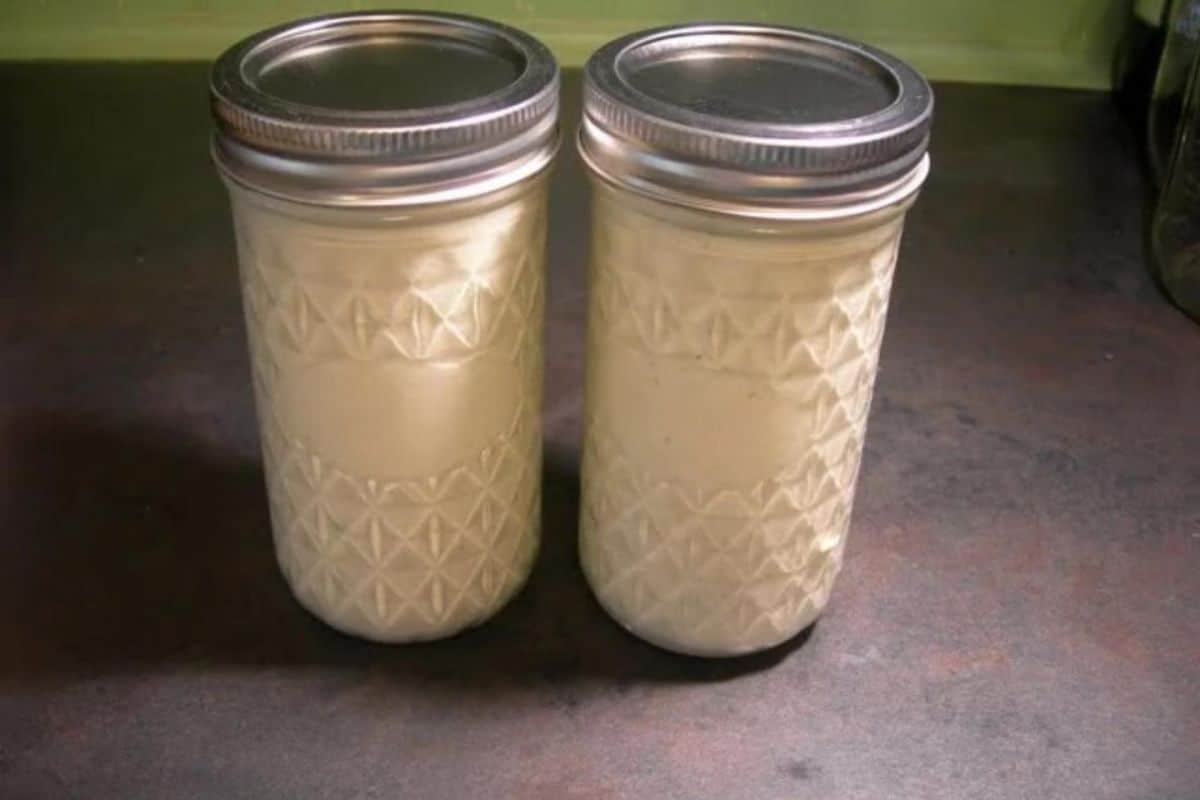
x=730, y=368
x=397, y=369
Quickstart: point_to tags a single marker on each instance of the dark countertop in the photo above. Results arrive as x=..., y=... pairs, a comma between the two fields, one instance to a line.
x=1019, y=614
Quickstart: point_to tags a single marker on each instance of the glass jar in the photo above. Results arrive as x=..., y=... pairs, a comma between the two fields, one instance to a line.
x=1175, y=224
x=1181, y=44
x=390, y=235
x=750, y=185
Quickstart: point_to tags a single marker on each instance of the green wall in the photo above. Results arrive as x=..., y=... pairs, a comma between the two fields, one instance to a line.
x=1052, y=42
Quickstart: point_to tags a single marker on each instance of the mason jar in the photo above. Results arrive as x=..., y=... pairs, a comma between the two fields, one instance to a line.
x=387, y=173
x=749, y=191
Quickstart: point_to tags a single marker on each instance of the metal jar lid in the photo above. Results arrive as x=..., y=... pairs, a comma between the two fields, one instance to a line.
x=756, y=120
x=382, y=109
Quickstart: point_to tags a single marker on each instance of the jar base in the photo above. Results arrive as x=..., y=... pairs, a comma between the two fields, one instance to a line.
x=714, y=650
x=407, y=636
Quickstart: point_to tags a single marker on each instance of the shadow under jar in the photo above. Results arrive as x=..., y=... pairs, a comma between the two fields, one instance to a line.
x=387, y=176
x=750, y=185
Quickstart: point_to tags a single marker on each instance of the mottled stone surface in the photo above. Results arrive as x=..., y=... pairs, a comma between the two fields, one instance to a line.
x=1017, y=614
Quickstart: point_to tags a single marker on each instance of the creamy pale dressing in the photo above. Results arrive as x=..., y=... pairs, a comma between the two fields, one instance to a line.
x=730, y=367
x=397, y=368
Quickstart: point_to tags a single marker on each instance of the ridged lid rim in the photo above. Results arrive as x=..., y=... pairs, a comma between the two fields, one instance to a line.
x=635, y=137
x=294, y=150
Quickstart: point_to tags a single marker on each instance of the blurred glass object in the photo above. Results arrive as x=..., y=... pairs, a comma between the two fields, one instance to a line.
x=1158, y=91
x=1180, y=46
x=1175, y=229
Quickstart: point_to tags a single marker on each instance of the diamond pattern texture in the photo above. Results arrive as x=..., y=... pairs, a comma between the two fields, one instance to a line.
x=422, y=549
x=728, y=551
